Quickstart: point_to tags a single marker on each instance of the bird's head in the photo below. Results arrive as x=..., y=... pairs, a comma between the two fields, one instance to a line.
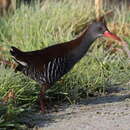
x=99, y=28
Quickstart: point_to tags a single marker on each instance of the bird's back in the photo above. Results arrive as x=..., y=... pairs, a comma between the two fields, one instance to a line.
x=46, y=65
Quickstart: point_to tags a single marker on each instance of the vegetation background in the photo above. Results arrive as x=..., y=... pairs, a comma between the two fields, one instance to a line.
x=36, y=26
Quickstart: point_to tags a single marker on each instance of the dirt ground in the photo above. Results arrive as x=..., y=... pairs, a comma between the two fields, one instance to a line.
x=109, y=112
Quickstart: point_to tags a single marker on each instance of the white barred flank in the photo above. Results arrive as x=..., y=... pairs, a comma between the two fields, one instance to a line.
x=51, y=71
x=47, y=71
x=54, y=69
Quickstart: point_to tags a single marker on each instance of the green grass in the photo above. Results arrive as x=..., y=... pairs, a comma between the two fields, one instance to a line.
x=31, y=28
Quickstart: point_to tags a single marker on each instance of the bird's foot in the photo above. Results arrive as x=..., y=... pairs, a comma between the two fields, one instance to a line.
x=42, y=109
x=42, y=106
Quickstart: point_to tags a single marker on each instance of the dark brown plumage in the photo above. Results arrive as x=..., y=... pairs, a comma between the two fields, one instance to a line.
x=48, y=65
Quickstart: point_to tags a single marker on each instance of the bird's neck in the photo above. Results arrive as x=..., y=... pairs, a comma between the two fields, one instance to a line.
x=86, y=41
x=82, y=45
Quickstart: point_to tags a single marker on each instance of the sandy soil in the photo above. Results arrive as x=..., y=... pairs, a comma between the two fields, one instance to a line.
x=111, y=112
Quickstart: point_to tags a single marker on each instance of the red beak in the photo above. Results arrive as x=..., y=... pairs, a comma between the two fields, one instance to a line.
x=111, y=35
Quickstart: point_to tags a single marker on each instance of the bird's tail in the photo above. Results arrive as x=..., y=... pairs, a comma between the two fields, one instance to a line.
x=15, y=52
x=18, y=56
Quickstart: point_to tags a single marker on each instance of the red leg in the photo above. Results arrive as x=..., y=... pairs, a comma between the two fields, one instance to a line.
x=42, y=98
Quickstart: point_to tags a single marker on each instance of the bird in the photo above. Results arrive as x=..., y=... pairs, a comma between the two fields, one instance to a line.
x=48, y=65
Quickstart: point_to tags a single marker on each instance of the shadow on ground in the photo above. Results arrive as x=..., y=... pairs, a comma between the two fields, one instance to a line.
x=65, y=111
x=115, y=94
